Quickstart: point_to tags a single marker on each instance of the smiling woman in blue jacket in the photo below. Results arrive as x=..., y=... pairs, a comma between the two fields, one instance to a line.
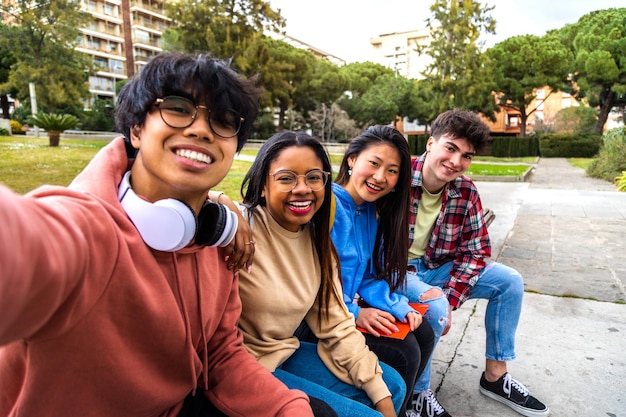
x=371, y=217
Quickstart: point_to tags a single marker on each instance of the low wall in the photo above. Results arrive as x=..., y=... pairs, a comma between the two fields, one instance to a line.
x=75, y=134
x=331, y=147
x=6, y=124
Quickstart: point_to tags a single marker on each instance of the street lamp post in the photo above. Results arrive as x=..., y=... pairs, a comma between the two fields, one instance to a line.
x=33, y=104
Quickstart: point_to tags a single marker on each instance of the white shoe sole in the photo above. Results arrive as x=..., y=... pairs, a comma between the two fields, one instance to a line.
x=522, y=410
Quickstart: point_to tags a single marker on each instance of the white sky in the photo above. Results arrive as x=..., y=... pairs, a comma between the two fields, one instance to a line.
x=344, y=27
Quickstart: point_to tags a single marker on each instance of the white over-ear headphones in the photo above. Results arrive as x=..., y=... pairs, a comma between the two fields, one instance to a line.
x=169, y=225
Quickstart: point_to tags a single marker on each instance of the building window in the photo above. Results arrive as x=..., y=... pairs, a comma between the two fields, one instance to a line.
x=541, y=94
x=99, y=83
x=112, y=47
x=91, y=6
x=117, y=67
x=101, y=63
x=142, y=36
x=93, y=43
x=109, y=10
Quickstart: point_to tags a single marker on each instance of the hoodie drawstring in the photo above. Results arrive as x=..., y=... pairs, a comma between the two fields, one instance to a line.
x=189, y=340
x=205, y=354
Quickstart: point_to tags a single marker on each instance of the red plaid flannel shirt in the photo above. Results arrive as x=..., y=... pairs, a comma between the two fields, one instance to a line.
x=459, y=234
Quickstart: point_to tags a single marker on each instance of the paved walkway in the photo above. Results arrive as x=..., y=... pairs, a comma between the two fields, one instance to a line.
x=566, y=234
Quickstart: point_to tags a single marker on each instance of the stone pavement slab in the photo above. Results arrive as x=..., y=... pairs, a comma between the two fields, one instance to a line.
x=570, y=355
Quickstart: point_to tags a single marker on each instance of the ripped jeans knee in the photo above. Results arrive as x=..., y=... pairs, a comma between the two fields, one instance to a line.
x=418, y=291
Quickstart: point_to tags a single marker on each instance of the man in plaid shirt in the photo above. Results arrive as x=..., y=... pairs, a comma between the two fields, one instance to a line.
x=449, y=245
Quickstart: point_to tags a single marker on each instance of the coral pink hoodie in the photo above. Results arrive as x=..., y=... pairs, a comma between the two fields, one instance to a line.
x=95, y=323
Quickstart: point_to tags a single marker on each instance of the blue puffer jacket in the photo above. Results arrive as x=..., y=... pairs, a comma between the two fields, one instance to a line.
x=354, y=235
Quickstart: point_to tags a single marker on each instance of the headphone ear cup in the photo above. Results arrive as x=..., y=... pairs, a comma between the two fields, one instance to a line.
x=167, y=225
x=175, y=225
x=217, y=225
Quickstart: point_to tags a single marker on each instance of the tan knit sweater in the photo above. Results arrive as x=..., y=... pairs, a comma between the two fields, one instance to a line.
x=281, y=291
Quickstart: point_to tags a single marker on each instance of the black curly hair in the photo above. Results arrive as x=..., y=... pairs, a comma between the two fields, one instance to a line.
x=201, y=78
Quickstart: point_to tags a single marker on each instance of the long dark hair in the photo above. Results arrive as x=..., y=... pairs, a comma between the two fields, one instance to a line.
x=390, y=255
x=252, y=189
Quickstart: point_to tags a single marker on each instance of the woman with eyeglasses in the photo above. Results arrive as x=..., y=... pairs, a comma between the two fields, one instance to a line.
x=115, y=299
x=368, y=229
x=286, y=199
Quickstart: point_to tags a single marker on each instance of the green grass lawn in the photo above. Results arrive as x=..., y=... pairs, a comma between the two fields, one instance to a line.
x=26, y=163
x=579, y=162
x=498, y=170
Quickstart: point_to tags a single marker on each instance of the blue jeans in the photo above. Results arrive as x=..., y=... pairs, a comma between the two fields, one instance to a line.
x=304, y=370
x=501, y=285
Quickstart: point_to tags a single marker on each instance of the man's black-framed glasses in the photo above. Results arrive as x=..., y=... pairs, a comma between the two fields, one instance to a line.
x=179, y=112
x=287, y=180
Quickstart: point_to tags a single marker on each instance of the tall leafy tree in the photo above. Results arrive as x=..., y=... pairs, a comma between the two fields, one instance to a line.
x=521, y=64
x=224, y=28
x=317, y=84
x=427, y=108
x=282, y=69
x=363, y=75
x=456, y=70
x=598, y=42
x=46, y=32
x=388, y=97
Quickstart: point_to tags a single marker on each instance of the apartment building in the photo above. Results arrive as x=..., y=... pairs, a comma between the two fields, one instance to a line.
x=122, y=36
x=398, y=51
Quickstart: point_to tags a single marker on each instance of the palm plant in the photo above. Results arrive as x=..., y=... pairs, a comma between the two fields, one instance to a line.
x=54, y=124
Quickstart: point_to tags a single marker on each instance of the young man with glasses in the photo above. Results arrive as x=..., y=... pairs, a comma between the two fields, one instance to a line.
x=114, y=298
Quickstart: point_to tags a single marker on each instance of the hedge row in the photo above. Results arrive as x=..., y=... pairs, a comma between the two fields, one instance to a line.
x=564, y=145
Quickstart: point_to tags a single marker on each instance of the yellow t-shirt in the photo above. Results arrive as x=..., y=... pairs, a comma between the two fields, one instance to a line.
x=429, y=208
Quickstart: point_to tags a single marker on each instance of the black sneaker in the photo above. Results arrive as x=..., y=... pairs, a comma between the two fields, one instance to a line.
x=426, y=405
x=514, y=394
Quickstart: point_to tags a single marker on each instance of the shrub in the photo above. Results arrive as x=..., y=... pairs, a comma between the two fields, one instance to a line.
x=611, y=159
x=21, y=113
x=620, y=182
x=417, y=143
x=569, y=145
x=16, y=127
x=4, y=132
x=513, y=147
x=100, y=117
x=581, y=119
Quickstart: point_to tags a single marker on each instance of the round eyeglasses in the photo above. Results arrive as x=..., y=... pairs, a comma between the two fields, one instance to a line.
x=286, y=180
x=179, y=112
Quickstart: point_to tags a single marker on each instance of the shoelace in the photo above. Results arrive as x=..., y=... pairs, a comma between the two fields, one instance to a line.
x=433, y=407
x=519, y=387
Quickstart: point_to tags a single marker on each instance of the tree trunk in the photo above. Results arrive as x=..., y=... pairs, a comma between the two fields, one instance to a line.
x=4, y=101
x=281, y=119
x=523, y=119
x=605, y=108
x=54, y=138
